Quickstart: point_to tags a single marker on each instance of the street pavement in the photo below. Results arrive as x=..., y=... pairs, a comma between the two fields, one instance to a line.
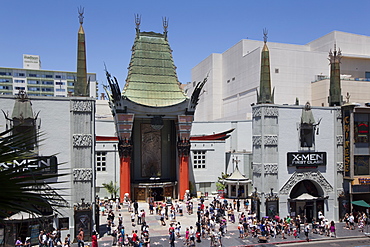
x=159, y=233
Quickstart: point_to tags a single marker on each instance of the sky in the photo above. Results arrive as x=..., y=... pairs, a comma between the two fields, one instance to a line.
x=197, y=28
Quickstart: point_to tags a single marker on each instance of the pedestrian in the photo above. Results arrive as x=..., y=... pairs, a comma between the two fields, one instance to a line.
x=172, y=238
x=136, y=206
x=27, y=243
x=94, y=239
x=18, y=242
x=80, y=238
x=306, y=230
x=332, y=229
x=133, y=218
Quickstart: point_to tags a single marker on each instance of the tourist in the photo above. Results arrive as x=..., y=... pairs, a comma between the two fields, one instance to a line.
x=80, y=238
x=18, y=242
x=332, y=229
x=94, y=239
x=306, y=230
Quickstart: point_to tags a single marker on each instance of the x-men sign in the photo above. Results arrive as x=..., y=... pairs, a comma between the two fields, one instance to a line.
x=307, y=160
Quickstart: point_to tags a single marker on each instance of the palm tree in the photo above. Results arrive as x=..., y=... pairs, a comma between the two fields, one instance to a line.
x=24, y=189
x=111, y=188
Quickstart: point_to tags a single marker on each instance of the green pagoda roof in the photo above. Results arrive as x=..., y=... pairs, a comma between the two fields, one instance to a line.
x=152, y=79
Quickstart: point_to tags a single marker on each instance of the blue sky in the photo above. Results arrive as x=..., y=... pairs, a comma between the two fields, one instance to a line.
x=196, y=28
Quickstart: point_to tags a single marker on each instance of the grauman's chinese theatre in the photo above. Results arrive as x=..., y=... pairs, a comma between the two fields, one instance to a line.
x=153, y=119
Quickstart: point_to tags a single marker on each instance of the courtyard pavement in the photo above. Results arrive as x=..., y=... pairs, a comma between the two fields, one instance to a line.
x=159, y=233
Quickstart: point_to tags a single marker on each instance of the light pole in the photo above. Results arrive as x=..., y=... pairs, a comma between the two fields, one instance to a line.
x=115, y=164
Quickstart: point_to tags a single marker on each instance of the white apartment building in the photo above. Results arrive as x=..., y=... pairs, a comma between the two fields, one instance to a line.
x=37, y=82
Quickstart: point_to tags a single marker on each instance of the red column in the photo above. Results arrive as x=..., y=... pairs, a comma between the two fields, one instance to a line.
x=183, y=175
x=125, y=181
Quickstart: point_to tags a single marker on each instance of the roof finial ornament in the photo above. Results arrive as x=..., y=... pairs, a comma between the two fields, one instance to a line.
x=265, y=32
x=137, y=22
x=81, y=13
x=165, y=26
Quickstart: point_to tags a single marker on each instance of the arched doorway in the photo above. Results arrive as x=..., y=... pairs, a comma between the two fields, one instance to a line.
x=306, y=200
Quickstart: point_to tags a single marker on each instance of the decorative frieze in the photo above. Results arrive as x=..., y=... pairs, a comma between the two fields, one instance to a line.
x=309, y=175
x=82, y=140
x=257, y=140
x=82, y=106
x=270, y=140
x=271, y=111
x=340, y=167
x=82, y=174
x=339, y=139
x=271, y=168
x=257, y=168
x=256, y=111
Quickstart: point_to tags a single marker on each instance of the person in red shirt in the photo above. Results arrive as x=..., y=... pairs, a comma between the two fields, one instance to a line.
x=134, y=236
x=94, y=239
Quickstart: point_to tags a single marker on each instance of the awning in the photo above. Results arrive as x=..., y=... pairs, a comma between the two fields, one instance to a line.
x=305, y=197
x=361, y=203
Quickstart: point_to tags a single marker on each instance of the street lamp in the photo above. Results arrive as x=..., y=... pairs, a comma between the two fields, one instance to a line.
x=115, y=164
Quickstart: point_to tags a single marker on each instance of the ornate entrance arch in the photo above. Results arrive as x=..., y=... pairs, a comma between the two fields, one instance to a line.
x=314, y=176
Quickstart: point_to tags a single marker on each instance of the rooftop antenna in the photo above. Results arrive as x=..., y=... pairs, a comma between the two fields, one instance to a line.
x=265, y=32
x=81, y=12
x=137, y=22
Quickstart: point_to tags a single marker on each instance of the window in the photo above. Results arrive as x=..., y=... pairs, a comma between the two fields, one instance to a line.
x=5, y=73
x=70, y=77
x=361, y=165
x=4, y=80
x=60, y=83
x=47, y=89
x=19, y=81
x=48, y=82
x=33, y=89
x=19, y=74
x=71, y=84
x=63, y=223
x=33, y=82
x=20, y=88
x=33, y=75
x=101, y=161
x=361, y=128
x=4, y=87
x=199, y=159
x=60, y=90
x=48, y=76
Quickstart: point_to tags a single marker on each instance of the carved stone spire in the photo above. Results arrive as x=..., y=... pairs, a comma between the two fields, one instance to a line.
x=265, y=95
x=81, y=84
x=335, y=96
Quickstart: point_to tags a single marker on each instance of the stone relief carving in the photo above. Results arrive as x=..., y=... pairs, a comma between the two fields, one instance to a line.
x=271, y=140
x=271, y=168
x=257, y=168
x=82, y=106
x=309, y=175
x=82, y=174
x=256, y=112
x=271, y=111
x=257, y=140
x=82, y=140
x=339, y=113
x=339, y=139
x=340, y=167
